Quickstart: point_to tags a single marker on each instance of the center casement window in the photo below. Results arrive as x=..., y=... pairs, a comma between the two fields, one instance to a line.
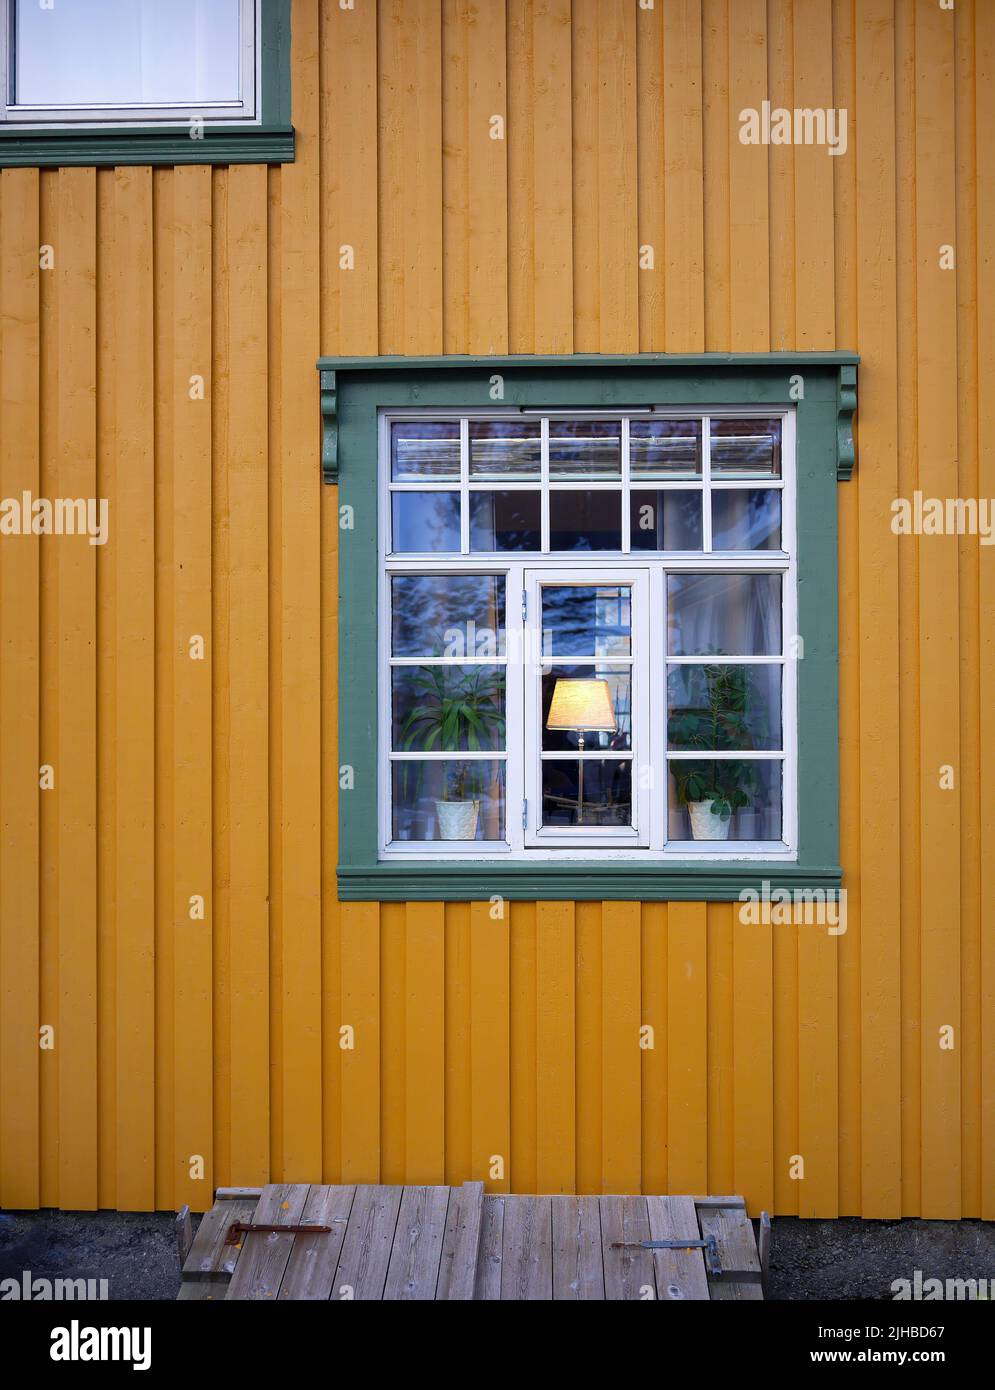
x=585, y=634
x=587, y=623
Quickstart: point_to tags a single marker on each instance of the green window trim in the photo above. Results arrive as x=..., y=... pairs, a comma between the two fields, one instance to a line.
x=822, y=388
x=269, y=140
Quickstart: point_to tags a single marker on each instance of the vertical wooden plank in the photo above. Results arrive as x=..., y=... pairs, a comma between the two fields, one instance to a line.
x=753, y=1053
x=781, y=172
x=969, y=560
x=909, y=702
x=458, y=1025
x=589, y=1031
x=848, y=945
x=584, y=33
x=555, y=1047
x=653, y=1053
x=651, y=173
x=350, y=166
x=490, y=1045
x=813, y=256
x=20, y=696
x=487, y=179
x=523, y=139
x=76, y=757
x=683, y=162
x=985, y=170
x=818, y=1115
x=716, y=127
x=298, y=643
x=524, y=1054
x=134, y=673
x=618, y=307
x=455, y=178
x=191, y=707
x=425, y=1046
x=48, y=653
x=687, y=1047
x=411, y=187
x=621, y=1096
x=107, y=645
x=749, y=303
x=553, y=186
x=936, y=381
x=393, y=1041
x=721, y=1091
x=359, y=925
x=877, y=439
x=248, y=667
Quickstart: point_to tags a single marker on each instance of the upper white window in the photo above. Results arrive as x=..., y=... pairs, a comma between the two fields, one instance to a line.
x=585, y=629
x=129, y=61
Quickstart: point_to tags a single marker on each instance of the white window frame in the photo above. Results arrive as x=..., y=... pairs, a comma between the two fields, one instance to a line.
x=30, y=116
x=523, y=571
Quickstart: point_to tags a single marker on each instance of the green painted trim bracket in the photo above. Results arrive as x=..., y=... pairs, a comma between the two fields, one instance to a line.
x=846, y=404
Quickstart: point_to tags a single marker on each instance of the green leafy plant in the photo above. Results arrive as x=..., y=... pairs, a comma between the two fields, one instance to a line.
x=458, y=709
x=717, y=717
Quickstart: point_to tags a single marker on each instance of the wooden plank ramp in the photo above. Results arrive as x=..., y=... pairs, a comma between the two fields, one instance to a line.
x=441, y=1243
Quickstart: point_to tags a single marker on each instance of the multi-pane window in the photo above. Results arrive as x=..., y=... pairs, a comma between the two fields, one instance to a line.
x=129, y=61
x=586, y=629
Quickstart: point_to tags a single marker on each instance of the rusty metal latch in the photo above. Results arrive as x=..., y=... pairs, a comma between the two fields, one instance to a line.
x=709, y=1245
x=251, y=1228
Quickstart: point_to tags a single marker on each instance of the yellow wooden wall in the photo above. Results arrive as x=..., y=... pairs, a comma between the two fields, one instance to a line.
x=175, y=777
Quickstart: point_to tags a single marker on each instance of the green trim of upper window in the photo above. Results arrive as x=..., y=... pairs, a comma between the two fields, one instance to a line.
x=269, y=140
x=821, y=387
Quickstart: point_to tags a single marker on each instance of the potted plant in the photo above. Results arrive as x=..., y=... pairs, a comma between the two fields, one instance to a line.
x=458, y=709
x=718, y=720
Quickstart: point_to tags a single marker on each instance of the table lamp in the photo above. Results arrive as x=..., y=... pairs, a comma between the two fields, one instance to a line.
x=579, y=707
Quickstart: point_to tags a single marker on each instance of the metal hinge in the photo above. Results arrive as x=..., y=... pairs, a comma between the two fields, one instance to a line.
x=525, y=605
x=525, y=813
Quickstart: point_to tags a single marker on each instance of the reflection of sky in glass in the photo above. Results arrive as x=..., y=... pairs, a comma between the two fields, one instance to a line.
x=127, y=52
x=586, y=619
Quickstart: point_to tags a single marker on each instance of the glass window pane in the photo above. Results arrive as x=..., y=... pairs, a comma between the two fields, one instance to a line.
x=505, y=521
x=447, y=709
x=509, y=448
x=448, y=799
x=586, y=620
x=592, y=702
x=724, y=799
x=746, y=519
x=127, y=52
x=456, y=615
x=746, y=448
x=585, y=449
x=424, y=449
x=721, y=706
x=664, y=449
x=668, y=520
x=585, y=521
x=587, y=792
x=423, y=521
x=724, y=614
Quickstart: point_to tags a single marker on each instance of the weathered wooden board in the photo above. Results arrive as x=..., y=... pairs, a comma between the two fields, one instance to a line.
x=441, y=1243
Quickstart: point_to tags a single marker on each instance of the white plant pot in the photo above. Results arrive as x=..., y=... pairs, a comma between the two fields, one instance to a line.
x=705, y=823
x=457, y=819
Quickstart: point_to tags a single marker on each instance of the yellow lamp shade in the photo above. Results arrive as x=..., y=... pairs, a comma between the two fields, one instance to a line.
x=580, y=705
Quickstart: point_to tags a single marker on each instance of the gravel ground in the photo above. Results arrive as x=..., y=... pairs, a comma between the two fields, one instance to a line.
x=850, y=1258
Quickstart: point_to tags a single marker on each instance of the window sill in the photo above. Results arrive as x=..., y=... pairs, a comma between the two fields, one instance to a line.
x=416, y=881
x=62, y=147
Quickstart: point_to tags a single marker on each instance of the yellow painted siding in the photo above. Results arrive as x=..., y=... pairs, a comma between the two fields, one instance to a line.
x=505, y=1049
